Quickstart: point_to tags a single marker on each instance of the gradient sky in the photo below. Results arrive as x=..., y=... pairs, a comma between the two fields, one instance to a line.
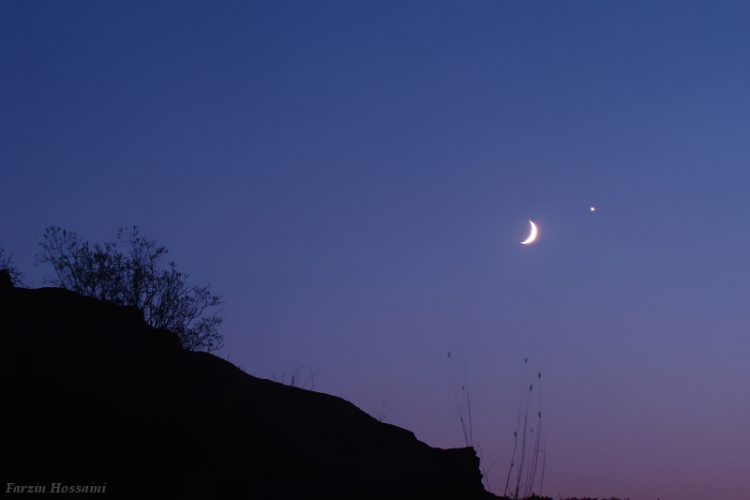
x=355, y=177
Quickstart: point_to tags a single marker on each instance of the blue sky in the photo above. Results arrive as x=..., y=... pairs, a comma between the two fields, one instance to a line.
x=355, y=177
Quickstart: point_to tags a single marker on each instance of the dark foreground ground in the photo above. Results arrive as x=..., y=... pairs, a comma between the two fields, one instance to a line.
x=93, y=398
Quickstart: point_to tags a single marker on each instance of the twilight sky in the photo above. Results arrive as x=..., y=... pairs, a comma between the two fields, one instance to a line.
x=355, y=177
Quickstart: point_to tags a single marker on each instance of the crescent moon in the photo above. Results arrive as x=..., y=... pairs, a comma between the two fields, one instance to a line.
x=533, y=234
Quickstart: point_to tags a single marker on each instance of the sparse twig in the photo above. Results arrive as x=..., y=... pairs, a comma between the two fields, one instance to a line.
x=459, y=406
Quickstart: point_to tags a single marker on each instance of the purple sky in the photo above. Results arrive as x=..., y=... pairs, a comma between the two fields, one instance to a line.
x=355, y=178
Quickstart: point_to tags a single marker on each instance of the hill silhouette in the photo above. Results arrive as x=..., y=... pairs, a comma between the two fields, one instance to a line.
x=92, y=395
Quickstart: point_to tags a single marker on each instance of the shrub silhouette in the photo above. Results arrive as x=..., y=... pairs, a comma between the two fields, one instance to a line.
x=128, y=272
x=6, y=264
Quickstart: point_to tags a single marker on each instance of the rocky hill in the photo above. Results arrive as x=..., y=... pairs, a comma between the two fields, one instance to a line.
x=92, y=397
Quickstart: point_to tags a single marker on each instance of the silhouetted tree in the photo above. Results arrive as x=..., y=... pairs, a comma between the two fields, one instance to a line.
x=128, y=271
x=6, y=264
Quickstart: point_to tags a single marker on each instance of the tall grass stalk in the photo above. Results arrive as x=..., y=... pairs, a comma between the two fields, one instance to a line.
x=528, y=459
x=531, y=477
x=523, y=444
x=512, y=457
x=468, y=405
x=516, y=431
x=467, y=428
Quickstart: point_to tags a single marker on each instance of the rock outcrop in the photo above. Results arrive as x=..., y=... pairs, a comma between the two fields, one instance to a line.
x=91, y=395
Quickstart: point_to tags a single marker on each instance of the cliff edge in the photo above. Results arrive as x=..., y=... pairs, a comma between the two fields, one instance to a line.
x=91, y=395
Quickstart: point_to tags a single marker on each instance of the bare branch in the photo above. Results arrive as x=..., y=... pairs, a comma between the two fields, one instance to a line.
x=128, y=271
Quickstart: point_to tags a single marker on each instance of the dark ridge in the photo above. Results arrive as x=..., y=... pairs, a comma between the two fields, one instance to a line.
x=92, y=395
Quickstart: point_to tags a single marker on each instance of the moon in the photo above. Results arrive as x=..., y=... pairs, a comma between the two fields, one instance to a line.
x=533, y=234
